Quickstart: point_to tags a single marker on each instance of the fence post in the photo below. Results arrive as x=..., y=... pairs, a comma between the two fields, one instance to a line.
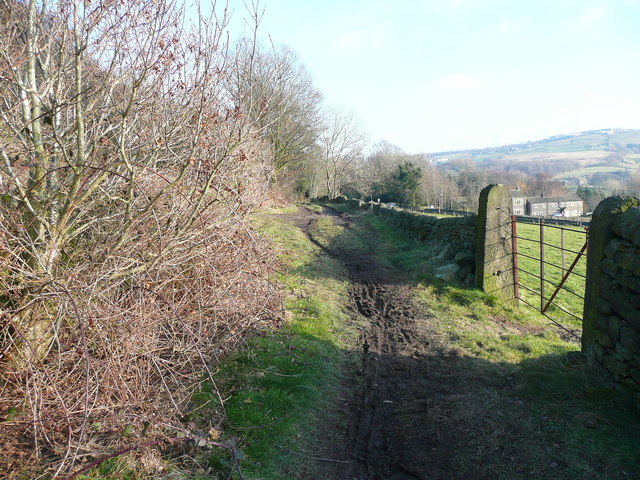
x=514, y=246
x=542, y=264
x=562, y=248
x=494, y=243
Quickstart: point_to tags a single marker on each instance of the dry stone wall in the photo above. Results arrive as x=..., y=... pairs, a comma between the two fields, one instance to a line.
x=453, y=239
x=476, y=249
x=611, y=330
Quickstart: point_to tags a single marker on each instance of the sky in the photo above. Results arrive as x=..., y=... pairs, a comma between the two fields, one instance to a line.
x=438, y=75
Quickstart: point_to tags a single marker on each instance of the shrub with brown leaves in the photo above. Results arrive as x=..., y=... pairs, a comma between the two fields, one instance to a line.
x=127, y=261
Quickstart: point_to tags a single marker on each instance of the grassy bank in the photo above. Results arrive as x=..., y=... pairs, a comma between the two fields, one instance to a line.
x=276, y=388
x=544, y=410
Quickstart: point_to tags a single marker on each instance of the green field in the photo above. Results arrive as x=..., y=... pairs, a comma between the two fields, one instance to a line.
x=598, y=154
x=597, y=169
x=529, y=269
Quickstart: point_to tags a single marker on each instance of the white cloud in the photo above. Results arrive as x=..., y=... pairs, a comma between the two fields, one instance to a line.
x=355, y=32
x=459, y=80
x=510, y=26
x=592, y=15
x=458, y=5
x=349, y=42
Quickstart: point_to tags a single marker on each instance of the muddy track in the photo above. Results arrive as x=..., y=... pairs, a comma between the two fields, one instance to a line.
x=384, y=397
x=413, y=404
x=390, y=334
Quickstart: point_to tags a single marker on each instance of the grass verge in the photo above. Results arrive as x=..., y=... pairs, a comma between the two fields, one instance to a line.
x=275, y=388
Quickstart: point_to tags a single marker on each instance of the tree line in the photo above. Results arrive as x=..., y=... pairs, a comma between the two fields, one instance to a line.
x=136, y=142
x=319, y=150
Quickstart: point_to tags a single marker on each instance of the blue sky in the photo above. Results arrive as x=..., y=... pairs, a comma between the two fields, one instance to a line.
x=433, y=75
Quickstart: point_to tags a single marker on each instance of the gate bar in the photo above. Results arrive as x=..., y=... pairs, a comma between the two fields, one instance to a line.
x=564, y=278
x=549, y=244
x=562, y=249
x=570, y=332
x=554, y=285
x=520, y=254
x=541, y=264
x=514, y=240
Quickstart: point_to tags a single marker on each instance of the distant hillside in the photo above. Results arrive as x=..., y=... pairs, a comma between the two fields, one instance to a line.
x=587, y=157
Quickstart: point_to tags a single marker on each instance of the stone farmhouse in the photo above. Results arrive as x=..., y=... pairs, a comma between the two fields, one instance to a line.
x=519, y=200
x=546, y=206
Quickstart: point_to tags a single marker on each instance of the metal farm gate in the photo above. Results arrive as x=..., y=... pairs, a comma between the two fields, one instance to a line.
x=550, y=270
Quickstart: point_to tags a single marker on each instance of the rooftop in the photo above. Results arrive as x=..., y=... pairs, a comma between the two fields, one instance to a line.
x=559, y=198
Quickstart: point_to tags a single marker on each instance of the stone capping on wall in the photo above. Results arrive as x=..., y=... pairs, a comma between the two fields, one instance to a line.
x=611, y=327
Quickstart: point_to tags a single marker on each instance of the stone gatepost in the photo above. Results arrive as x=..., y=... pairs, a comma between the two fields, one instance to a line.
x=494, y=243
x=611, y=327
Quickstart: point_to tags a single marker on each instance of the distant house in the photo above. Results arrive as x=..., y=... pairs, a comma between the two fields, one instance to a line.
x=559, y=206
x=545, y=206
x=518, y=200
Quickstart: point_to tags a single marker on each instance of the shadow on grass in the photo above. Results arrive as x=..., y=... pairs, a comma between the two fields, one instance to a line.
x=459, y=417
x=537, y=418
x=441, y=415
x=437, y=412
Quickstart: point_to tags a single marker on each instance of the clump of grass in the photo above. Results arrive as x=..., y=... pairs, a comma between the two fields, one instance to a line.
x=277, y=384
x=314, y=207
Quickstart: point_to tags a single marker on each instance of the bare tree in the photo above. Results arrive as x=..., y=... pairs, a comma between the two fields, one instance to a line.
x=543, y=183
x=440, y=190
x=384, y=159
x=341, y=142
x=107, y=115
x=633, y=184
x=128, y=169
x=285, y=105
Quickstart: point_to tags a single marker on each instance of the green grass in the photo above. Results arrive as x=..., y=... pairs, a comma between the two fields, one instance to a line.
x=562, y=416
x=566, y=148
x=314, y=207
x=277, y=385
x=591, y=170
x=574, y=239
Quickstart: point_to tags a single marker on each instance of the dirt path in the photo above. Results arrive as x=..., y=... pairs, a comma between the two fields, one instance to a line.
x=383, y=409
x=386, y=441
x=417, y=403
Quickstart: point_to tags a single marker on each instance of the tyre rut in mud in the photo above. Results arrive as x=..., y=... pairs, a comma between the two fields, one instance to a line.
x=385, y=395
